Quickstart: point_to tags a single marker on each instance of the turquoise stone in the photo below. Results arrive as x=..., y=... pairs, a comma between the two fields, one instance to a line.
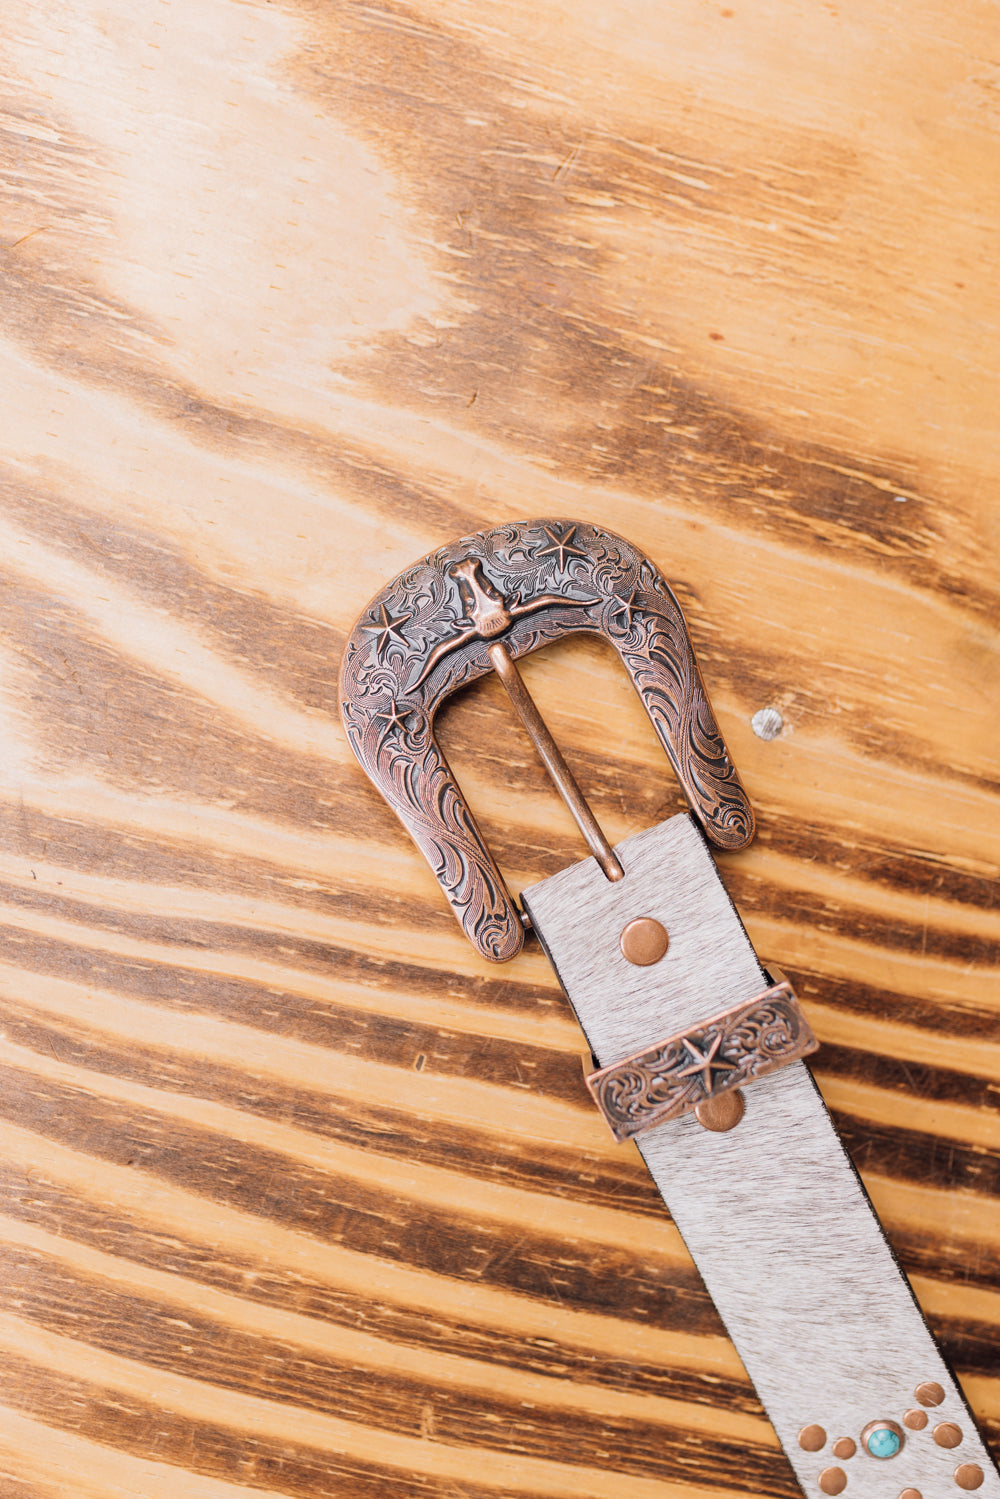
x=883, y=1442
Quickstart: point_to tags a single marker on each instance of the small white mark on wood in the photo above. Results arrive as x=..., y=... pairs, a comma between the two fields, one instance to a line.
x=767, y=723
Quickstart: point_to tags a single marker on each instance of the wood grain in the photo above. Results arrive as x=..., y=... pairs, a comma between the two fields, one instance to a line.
x=300, y=1196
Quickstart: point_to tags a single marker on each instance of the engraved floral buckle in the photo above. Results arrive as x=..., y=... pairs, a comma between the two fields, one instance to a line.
x=697, y=1067
x=477, y=606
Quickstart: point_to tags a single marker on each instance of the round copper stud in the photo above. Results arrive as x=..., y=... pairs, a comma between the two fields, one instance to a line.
x=812, y=1438
x=929, y=1393
x=833, y=1480
x=915, y=1420
x=721, y=1112
x=644, y=941
x=969, y=1476
x=844, y=1447
x=947, y=1434
x=911, y=1494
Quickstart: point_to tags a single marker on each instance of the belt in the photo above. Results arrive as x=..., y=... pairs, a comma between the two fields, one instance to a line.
x=698, y=1049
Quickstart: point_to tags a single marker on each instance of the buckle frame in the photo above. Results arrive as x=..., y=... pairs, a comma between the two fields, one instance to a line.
x=520, y=586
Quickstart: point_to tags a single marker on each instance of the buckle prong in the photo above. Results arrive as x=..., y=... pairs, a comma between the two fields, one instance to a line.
x=552, y=758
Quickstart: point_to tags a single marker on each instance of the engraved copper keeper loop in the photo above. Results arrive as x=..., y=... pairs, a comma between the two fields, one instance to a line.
x=477, y=606
x=708, y=1060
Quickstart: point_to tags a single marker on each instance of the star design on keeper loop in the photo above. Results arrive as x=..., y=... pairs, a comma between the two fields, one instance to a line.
x=388, y=630
x=703, y=1064
x=561, y=547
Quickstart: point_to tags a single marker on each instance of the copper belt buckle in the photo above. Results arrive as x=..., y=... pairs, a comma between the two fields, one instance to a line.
x=477, y=606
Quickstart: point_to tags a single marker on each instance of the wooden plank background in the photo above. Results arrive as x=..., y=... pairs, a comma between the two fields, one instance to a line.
x=300, y=1197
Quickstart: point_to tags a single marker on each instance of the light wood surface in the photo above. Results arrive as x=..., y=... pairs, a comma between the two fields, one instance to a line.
x=300, y=1196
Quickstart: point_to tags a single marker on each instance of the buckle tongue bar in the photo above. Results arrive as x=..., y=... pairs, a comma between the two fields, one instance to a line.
x=552, y=759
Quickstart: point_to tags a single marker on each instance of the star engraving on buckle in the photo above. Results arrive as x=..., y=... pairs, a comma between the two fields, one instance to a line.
x=562, y=546
x=387, y=630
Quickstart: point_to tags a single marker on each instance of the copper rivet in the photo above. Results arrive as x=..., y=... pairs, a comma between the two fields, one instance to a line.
x=929, y=1393
x=915, y=1420
x=721, y=1112
x=644, y=941
x=812, y=1438
x=911, y=1494
x=844, y=1447
x=948, y=1434
x=969, y=1476
x=833, y=1480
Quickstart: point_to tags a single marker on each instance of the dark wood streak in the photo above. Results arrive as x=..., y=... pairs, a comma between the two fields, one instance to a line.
x=828, y=913
x=912, y=1082
x=618, y=1181
x=912, y=1155
x=339, y=1210
x=97, y=847
x=177, y=1339
x=290, y=949
x=880, y=862
x=135, y=729
x=51, y=1206
x=287, y=651
x=147, y=1429
x=183, y=986
x=580, y=1176
x=904, y=1153
x=351, y=1030
x=342, y=1210
x=947, y=1258
x=855, y=996
x=14, y=1487
x=971, y=1347
x=55, y=838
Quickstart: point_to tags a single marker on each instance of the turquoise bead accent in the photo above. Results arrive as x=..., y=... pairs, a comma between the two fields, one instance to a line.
x=883, y=1442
